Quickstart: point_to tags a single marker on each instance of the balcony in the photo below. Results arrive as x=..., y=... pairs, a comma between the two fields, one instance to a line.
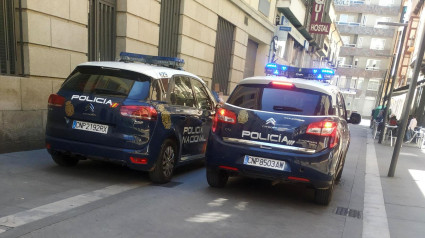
x=349, y=71
x=351, y=29
x=345, y=6
x=351, y=50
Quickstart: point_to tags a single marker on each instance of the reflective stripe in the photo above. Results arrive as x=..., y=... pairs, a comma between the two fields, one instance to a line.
x=262, y=144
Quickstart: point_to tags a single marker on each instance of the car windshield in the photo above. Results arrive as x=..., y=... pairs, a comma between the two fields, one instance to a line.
x=291, y=101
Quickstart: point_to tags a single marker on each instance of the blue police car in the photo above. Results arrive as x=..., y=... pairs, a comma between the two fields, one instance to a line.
x=291, y=127
x=142, y=112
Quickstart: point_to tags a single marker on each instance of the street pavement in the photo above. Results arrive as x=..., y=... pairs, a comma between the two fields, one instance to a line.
x=94, y=199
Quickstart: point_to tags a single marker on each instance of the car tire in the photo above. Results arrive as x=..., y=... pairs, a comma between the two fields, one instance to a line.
x=64, y=160
x=217, y=178
x=324, y=196
x=164, y=165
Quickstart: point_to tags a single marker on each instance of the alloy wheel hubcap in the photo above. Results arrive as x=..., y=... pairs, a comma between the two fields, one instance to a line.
x=168, y=161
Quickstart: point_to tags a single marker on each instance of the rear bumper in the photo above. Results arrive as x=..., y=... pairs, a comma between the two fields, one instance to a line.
x=106, y=153
x=319, y=168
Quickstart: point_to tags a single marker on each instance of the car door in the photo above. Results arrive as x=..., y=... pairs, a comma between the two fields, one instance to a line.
x=342, y=113
x=185, y=115
x=205, y=104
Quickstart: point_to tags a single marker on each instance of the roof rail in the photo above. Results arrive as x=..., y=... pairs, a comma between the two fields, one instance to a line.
x=170, y=62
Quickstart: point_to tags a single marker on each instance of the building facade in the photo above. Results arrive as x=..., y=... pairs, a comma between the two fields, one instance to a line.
x=41, y=42
x=368, y=48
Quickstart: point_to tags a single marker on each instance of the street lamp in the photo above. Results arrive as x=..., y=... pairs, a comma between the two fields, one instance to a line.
x=393, y=71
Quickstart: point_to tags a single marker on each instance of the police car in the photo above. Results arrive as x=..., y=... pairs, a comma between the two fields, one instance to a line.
x=290, y=126
x=135, y=112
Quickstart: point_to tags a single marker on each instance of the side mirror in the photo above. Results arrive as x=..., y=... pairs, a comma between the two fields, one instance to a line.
x=355, y=118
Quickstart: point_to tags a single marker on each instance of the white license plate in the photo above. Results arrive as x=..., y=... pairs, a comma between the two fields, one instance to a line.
x=88, y=126
x=264, y=162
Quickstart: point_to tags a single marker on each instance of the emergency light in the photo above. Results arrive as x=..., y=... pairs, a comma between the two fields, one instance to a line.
x=170, y=62
x=296, y=72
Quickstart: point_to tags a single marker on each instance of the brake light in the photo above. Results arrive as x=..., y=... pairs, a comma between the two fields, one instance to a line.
x=277, y=84
x=139, y=112
x=224, y=116
x=228, y=168
x=56, y=100
x=136, y=160
x=325, y=128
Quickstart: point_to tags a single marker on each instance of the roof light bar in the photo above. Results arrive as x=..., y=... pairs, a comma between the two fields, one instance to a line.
x=171, y=62
x=295, y=72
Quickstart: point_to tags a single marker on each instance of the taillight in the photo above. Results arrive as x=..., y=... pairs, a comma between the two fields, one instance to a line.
x=325, y=128
x=56, y=100
x=224, y=116
x=139, y=112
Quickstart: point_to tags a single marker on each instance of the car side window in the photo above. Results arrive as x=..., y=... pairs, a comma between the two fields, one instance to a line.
x=181, y=92
x=341, y=106
x=202, y=99
x=156, y=91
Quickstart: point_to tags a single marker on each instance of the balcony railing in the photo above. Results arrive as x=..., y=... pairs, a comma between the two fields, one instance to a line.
x=361, y=7
x=352, y=50
x=358, y=29
x=360, y=72
x=348, y=23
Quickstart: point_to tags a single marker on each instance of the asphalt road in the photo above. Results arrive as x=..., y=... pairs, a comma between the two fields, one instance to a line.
x=94, y=199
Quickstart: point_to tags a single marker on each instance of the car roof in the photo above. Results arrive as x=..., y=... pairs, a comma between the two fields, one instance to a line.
x=314, y=85
x=153, y=71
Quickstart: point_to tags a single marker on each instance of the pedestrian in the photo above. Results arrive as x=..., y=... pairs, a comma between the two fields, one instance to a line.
x=411, y=129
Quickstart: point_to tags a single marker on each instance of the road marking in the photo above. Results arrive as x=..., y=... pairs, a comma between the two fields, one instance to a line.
x=375, y=222
x=38, y=213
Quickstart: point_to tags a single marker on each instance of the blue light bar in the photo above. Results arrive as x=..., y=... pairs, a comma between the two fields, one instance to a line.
x=295, y=72
x=171, y=62
x=328, y=71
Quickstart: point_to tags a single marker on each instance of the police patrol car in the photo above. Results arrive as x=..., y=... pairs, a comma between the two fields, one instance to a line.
x=284, y=128
x=143, y=115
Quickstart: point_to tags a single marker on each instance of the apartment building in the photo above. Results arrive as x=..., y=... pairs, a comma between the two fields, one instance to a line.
x=41, y=42
x=367, y=51
x=298, y=46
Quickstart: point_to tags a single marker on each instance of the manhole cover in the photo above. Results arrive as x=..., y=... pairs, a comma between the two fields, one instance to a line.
x=343, y=211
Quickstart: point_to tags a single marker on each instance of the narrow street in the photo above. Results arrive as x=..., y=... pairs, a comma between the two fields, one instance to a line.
x=94, y=199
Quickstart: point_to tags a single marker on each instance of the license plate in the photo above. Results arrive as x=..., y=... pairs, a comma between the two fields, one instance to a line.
x=264, y=162
x=88, y=126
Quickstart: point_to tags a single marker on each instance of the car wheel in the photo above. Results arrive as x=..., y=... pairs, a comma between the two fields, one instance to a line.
x=324, y=196
x=217, y=178
x=164, y=165
x=64, y=160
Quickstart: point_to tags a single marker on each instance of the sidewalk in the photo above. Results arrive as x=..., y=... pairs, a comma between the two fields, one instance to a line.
x=404, y=194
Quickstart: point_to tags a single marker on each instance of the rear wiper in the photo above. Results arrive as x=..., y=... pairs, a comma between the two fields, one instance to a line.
x=108, y=91
x=285, y=108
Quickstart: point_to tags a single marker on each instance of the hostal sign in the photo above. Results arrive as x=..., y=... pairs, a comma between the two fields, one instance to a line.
x=316, y=24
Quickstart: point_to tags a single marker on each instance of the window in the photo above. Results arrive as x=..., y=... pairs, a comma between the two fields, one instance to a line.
x=341, y=61
x=372, y=64
x=353, y=82
x=341, y=106
x=99, y=81
x=386, y=2
x=8, y=48
x=290, y=101
x=360, y=42
x=364, y=20
x=343, y=18
x=264, y=7
x=102, y=30
x=377, y=44
x=360, y=83
x=345, y=40
x=181, y=92
x=373, y=85
x=202, y=100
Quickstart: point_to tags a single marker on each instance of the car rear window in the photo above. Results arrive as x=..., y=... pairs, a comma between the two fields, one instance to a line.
x=289, y=101
x=108, y=81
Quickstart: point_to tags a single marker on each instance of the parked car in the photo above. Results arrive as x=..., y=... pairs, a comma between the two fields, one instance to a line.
x=283, y=128
x=143, y=115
